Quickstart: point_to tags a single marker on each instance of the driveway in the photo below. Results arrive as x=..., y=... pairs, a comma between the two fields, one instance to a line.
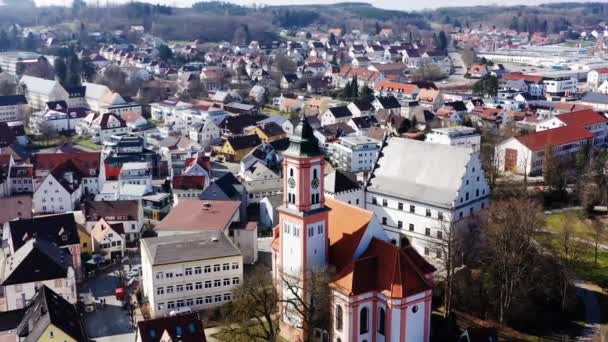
x=110, y=322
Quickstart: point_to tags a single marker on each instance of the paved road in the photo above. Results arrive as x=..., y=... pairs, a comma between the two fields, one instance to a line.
x=592, y=311
x=112, y=322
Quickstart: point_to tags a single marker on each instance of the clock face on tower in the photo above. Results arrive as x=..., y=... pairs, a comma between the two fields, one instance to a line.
x=291, y=182
x=315, y=183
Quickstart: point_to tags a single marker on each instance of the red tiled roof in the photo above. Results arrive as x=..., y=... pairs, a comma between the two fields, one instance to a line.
x=86, y=162
x=556, y=136
x=191, y=328
x=516, y=76
x=582, y=118
x=405, y=88
x=197, y=215
x=362, y=74
x=394, y=271
x=601, y=70
x=383, y=267
x=188, y=182
x=570, y=107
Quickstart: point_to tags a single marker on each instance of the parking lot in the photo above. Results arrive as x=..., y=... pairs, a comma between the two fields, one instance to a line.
x=109, y=322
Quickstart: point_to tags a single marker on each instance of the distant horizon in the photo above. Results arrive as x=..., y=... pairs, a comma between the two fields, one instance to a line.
x=385, y=4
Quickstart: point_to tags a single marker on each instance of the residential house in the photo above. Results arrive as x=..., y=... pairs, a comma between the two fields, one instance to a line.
x=354, y=154
x=37, y=263
x=103, y=100
x=237, y=147
x=388, y=103
x=363, y=76
x=419, y=203
x=396, y=89
x=455, y=136
x=196, y=271
x=227, y=188
x=204, y=133
x=6, y=164
x=362, y=124
x=136, y=173
x=161, y=111
x=596, y=77
x=60, y=118
x=184, y=327
x=134, y=121
x=188, y=187
x=288, y=81
x=108, y=239
x=15, y=207
x=129, y=213
x=360, y=108
x=268, y=213
x=90, y=165
x=12, y=107
x=102, y=127
x=46, y=316
x=268, y=132
x=430, y=98
x=477, y=71
x=341, y=187
x=60, y=190
x=334, y=115
x=535, y=84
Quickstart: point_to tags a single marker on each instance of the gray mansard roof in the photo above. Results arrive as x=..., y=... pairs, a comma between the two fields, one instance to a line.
x=420, y=171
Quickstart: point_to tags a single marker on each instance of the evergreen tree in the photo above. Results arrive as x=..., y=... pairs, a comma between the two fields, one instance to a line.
x=366, y=94
x=378, y=28
x=442, y=41
x=74, y=74
x=165, y=53
x=4, y=41
x=354, y=88
x=61, y=70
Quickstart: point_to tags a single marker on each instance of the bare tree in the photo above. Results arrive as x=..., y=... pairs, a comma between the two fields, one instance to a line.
x=449, y=250
x=567, y=250
x=7, y=88
x=47, y=132
x=307, y=298
x=510, y=249
x=255, y=301
x=599, y=234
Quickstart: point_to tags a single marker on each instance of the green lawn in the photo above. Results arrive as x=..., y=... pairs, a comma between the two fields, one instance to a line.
x=588, y=269
x=582, y=228
x=157, y=123
x=36, y=141
x=574, y=43
x=87, y=143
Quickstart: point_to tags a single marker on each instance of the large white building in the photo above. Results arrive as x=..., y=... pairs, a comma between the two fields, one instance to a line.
x=596, y=77
x=455, y=136
x=198, y=271
x=354, y=154
x=560, y=85
x=12, y=107
x=39, y=91
x=419, y=191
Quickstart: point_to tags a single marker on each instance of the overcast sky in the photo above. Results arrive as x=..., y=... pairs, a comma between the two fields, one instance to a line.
x=389, y=4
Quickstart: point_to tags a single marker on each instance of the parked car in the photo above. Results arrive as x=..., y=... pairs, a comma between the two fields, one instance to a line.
x=180, y=311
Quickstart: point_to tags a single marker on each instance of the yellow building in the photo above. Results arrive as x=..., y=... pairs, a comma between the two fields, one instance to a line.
x=85, y=240
x=49, y=317
x=269, y=132
x=237, y=147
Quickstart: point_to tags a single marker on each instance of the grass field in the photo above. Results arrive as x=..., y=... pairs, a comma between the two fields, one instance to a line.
x=87, y=143
x=555, y=223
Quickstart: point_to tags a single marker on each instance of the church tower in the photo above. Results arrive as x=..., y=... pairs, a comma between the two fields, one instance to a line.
x=303, y=216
